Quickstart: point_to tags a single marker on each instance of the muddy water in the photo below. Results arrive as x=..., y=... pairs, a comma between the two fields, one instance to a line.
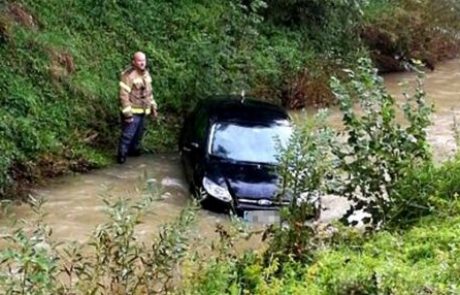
x=443, y=89
x=74, y=203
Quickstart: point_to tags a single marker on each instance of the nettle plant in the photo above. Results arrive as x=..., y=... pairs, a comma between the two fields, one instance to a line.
x=379, y=150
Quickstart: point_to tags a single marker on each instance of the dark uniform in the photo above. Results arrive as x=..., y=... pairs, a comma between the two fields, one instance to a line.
x=137, y=101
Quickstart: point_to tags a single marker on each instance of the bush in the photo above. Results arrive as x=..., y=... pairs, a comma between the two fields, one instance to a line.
x=426, y=190
x=113, y=261
x=397, y=32
x=303, y=166
x=378, y=151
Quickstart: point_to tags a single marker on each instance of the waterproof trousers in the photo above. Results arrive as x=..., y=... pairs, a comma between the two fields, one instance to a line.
x=131, y=136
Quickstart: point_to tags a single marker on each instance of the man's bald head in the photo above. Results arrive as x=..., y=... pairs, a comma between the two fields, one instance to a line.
x=139, y=61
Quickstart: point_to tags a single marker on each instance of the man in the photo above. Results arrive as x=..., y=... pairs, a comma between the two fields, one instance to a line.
x=137, y=102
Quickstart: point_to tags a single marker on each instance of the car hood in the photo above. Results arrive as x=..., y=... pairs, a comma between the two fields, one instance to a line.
x=247, y=180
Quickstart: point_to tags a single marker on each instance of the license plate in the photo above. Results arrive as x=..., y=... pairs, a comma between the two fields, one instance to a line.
x=261, y=216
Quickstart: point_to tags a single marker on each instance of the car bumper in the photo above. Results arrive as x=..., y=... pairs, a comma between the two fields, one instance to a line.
x=240, y=205
x=257, y=205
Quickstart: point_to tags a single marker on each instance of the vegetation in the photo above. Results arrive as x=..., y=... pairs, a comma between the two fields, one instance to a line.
x=405, y=30
x=413, y=205
x=413, y=250
x=113, y=261
x=60, y=64
x=59, y=70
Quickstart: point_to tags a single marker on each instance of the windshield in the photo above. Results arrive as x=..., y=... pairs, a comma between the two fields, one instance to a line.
x=255, y=143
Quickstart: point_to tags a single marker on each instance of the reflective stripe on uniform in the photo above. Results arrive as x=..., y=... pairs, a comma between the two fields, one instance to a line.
x=125, y=87
x=140, y=111
x=126, y=110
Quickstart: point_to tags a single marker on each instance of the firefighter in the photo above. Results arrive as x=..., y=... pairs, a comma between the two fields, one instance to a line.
x=137, y=102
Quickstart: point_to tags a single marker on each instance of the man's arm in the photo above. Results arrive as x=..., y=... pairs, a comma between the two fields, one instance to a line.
x=153, y=103
x=125, y=89
x=154, y=106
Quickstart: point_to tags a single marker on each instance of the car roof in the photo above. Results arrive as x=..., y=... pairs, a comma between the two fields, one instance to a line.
x=233, y=108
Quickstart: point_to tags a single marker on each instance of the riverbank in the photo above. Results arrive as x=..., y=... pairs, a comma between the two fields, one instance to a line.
x=74, y=203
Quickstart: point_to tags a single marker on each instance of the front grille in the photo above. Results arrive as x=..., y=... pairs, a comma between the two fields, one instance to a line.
x=263, y=202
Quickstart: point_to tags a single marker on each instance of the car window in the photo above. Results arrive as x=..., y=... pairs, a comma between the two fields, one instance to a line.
x=249, y=143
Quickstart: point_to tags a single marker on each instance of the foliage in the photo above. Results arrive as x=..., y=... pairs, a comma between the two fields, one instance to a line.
x=378, y=150
x=399, y=31
x=30, y=264
x=421, y=260
x=59, y=104
x=426, y=190
x=113, y=261
x=59, y=90
x=303, y=167
x=328, y=24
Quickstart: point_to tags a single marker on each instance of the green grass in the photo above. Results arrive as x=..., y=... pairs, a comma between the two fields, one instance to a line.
x=421, y=260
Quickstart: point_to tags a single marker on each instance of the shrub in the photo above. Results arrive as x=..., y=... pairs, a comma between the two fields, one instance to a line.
x=113, y=261
x=303, y=165
x=378, y=150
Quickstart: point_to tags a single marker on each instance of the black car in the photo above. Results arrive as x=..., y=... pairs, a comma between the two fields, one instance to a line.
x=228, y=150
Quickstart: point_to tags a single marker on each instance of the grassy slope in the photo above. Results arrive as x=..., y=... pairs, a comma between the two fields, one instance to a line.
x=60, y=65
x=422, y=260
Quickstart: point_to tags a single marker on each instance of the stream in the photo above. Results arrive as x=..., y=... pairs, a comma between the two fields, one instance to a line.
x=74, y=203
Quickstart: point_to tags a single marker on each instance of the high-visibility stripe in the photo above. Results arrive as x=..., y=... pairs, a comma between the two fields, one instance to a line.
x=126, y=110
x=140, y=111
x=125, y=87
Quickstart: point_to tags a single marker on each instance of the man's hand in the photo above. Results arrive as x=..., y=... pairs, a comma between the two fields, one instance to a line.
x=154, y=114
x=128, y=120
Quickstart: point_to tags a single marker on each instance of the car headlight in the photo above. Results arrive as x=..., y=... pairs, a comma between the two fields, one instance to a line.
x=216, y=190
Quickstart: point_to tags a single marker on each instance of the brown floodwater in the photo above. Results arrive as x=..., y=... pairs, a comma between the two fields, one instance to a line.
x=74, y=203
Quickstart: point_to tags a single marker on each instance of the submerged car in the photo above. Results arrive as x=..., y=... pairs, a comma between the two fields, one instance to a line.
x=229, y=150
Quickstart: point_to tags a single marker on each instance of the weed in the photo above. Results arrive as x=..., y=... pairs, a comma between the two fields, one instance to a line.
x=113, y=261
